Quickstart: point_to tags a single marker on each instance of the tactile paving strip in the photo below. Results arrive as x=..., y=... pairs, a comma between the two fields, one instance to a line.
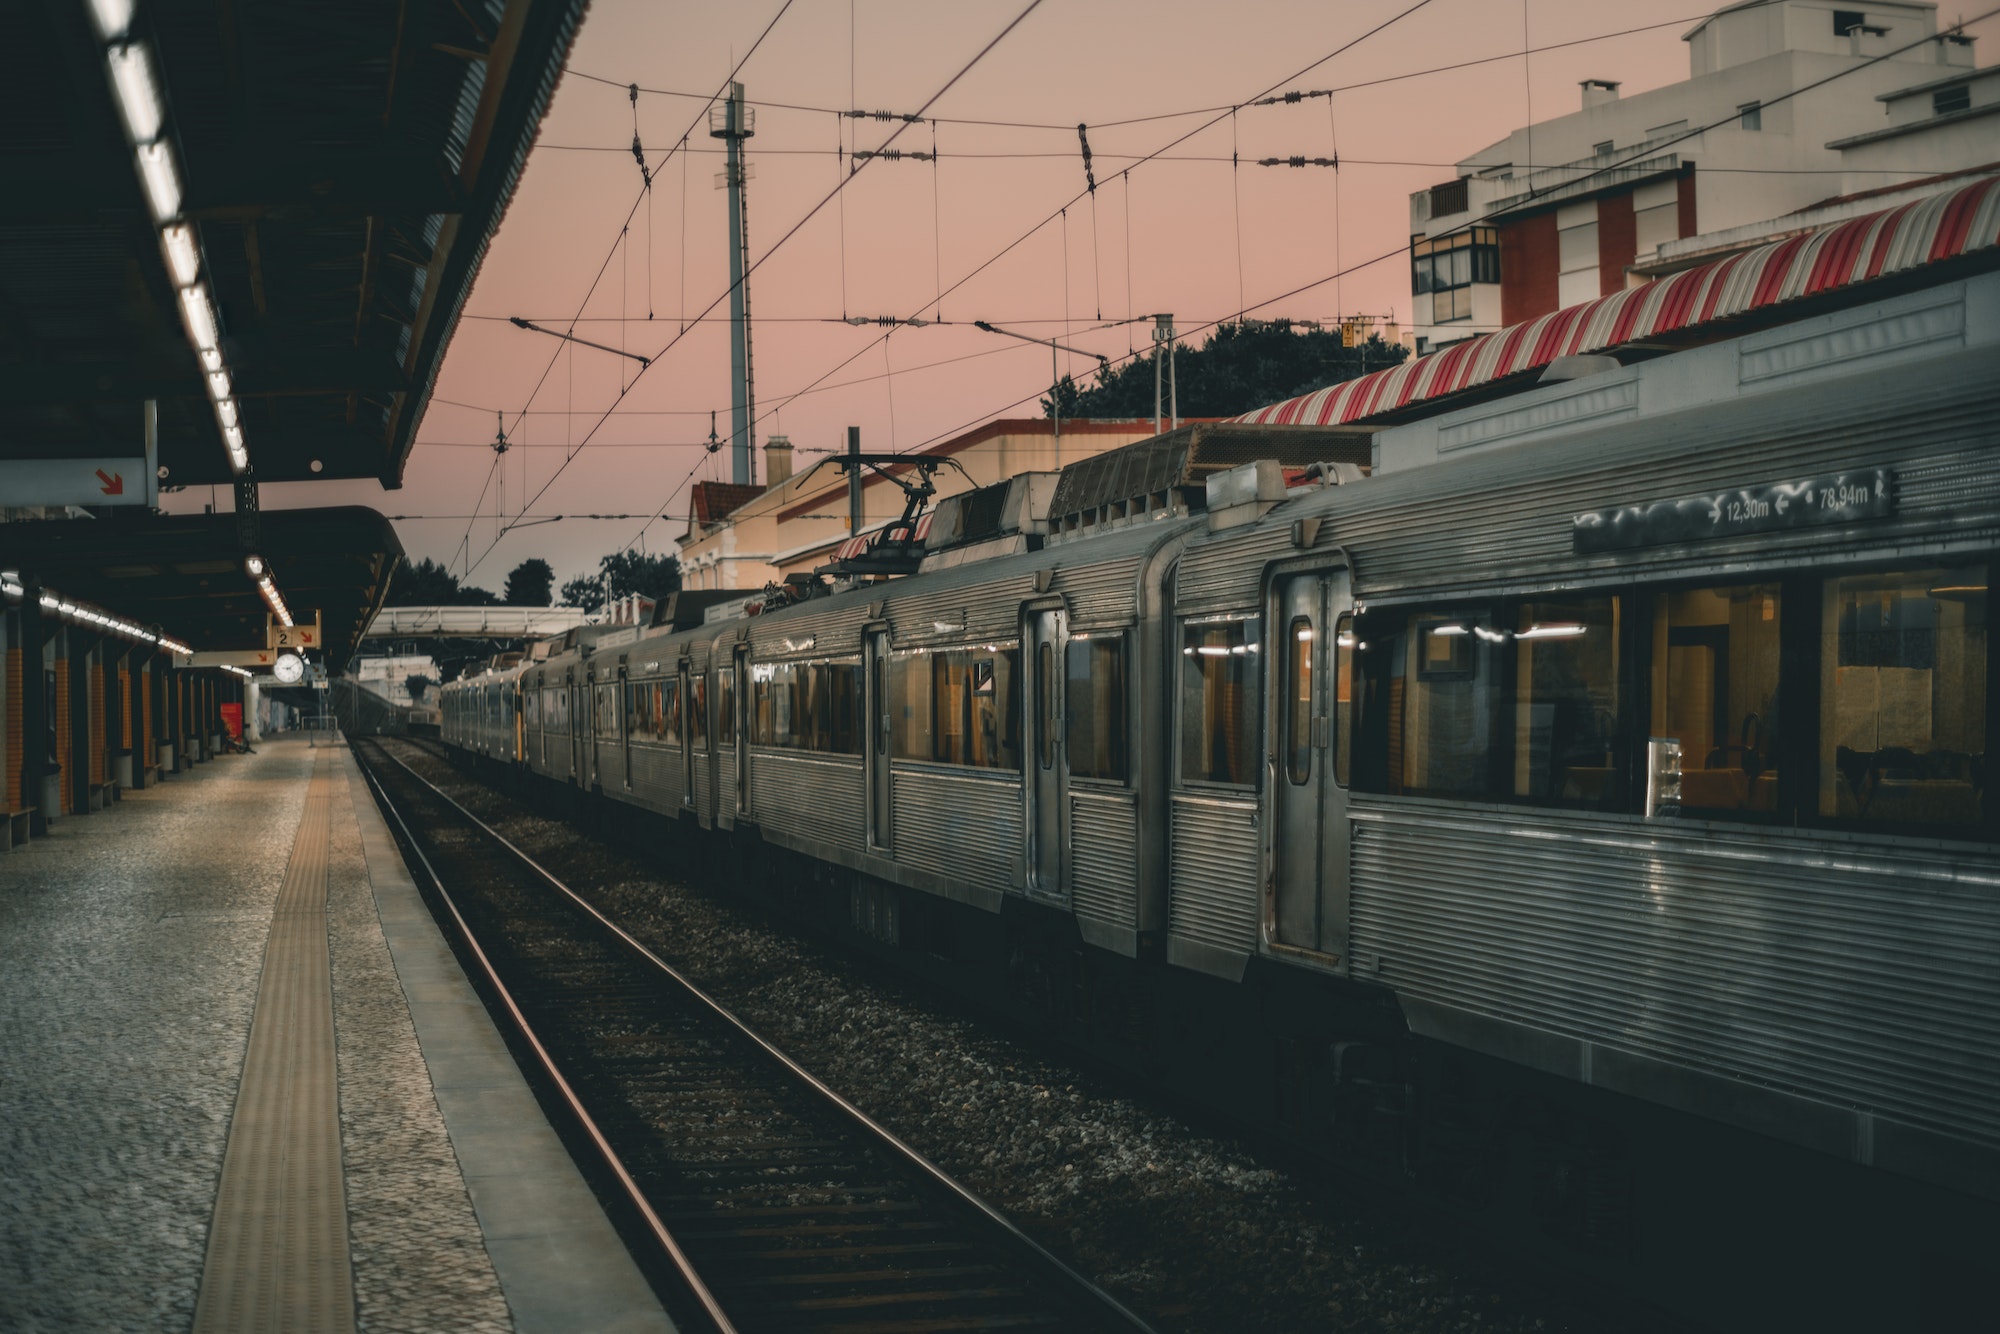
x=277, y=1250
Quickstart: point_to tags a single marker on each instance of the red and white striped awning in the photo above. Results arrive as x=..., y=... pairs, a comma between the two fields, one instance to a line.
x=861, y=542
x=1925, y=231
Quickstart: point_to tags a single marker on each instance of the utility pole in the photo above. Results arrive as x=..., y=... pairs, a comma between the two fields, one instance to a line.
x=1163, y=335
x=854, y=481
x=733, y=122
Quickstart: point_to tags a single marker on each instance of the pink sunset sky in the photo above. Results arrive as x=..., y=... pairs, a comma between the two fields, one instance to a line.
x=1185, y=232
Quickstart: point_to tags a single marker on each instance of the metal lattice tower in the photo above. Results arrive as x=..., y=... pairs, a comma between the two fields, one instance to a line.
x=734, y=122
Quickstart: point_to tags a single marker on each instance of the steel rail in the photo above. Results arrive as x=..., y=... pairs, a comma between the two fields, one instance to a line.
x=633, y=1193
x=909, y=1155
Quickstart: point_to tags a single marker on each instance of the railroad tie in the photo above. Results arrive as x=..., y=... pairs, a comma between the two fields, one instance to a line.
x=277, y=1248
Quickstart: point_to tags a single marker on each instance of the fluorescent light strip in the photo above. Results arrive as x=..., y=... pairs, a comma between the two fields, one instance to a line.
x=183, y=255
x=275, y=601
x=138, y=91
x=114, y=18
x=140, y=103
x=163, y=180
x=78, y=613
x=199, y=317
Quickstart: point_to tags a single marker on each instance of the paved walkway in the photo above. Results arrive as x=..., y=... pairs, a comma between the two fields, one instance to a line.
x=137, y=944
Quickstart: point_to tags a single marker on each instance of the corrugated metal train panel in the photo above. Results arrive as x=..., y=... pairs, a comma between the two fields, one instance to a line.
x=1833, y=970
x=816, y=797
x=1104, y=857
x=656, y=777
x=1212, y=885
x=1507, y=514
x=961, y=827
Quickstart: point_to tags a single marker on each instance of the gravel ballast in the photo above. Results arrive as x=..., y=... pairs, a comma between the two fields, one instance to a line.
x=1189, y=1227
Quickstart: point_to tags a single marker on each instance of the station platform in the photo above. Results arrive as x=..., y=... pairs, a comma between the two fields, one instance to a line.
x=244, y=1084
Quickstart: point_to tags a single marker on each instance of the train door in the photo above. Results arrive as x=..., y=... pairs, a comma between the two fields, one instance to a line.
x=743, y=697
x=624, y=723
x=881, y=824
x=1311, y=681
x=1047, y=766
x=691, y=722
x=581, y=739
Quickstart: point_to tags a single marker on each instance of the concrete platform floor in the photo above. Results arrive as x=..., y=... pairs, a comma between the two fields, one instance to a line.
x=134, y=948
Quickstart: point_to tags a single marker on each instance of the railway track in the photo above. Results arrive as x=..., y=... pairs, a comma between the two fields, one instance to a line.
x=768, y=1201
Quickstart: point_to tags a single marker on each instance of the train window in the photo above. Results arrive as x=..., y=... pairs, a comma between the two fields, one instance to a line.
x=807, y=705
x=1094, y=700
x=1903, y=697
x=725, y=706
x=1218, y=709
x=975, y=712
x=772, y=704
x=667, y=715
x=697, y=710
x=910, y=705
x=606, y=722
x=1567, y=743
x=1715, y=690
x=1343, y=698
x=1045, y=705
x=837, y=724
x=638, y=708
x=956, y=706
x=1443, y=702
x=1299, y=645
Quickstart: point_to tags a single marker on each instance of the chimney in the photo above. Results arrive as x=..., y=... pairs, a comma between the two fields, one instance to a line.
x=1596, y=92
x=777, y=460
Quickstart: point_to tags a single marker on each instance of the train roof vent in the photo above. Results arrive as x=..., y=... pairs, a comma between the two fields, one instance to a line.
x=1167, y=475
x=689, y=607
x=1017, y=505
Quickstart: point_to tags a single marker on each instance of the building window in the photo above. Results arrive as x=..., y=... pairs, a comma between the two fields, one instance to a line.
x=1958, y=97
x=1605, y=148
x=1445, y=267
x=1751, y=115
x=1846, y=21
x=1451, y=197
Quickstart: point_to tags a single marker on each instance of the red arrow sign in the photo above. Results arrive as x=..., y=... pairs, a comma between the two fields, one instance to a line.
x=114, y=485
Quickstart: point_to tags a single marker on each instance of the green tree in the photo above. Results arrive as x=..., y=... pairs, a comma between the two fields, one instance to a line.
x=530, y=584
x=630, y=572
x=426, y=583
x=1240, y=368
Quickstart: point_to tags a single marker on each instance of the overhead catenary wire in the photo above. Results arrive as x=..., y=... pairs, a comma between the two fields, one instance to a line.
x=1155, y=117
x=812, y=212
x=1402, y=251
x=598, y=277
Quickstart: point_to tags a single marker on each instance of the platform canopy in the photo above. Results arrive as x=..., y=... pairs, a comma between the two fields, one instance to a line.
x=1860, y=259
x=182, y=573
x=342, y=168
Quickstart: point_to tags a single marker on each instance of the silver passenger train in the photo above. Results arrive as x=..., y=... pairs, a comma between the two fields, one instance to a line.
x=1619, y=746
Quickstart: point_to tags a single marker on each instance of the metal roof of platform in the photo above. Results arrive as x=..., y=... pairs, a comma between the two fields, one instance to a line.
x=182, y=573
x=343, y=168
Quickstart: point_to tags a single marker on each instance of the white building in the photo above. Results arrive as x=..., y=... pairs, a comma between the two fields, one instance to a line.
x=1787, y=102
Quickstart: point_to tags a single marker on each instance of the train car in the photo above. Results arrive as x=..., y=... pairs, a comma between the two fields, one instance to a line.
x=1587, y=809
